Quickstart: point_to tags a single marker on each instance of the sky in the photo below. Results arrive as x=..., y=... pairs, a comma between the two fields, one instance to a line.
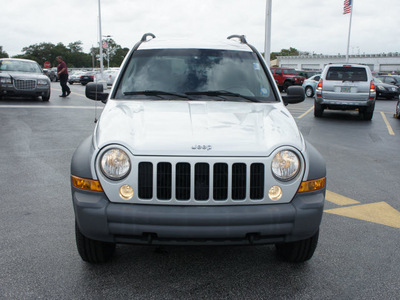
x=314, y=26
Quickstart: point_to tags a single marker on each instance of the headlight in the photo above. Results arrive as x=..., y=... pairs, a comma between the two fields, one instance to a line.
x=115, y=164
x=5, y=80
x=380, y=87
x=285, y=165
x=42, y=82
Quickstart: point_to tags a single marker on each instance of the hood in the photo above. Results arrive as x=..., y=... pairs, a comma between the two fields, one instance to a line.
x=22, y=75
x=194, y=128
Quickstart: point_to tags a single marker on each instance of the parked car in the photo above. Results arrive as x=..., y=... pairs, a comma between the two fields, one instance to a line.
x=50, y=73
x=108, y=75
x=390, y=79
x=307, y=73
x=384, y=90
x=195, y=146
x=54, y=72
x=87, y=77
x=310, y=85
x=398, y=108
x=346, y=87
x=23, y=78
x=75, y=77
x=286, y=77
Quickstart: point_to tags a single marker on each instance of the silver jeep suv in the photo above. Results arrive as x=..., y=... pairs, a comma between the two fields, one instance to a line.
x=346, y=87
x=195, y=146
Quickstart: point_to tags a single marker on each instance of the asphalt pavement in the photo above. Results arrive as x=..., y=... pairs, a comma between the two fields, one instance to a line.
x=357, y=256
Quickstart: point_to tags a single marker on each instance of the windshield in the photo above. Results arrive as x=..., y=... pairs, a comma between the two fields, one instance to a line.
x=289, y=72
x=19, y=66
x=200, y=73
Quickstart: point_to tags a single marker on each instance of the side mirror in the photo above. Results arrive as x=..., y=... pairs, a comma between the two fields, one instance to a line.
x=95, y=92
x=295, y=94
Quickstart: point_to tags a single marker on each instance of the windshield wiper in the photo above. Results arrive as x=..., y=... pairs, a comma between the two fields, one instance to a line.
x=155, y=93
x=222, y=93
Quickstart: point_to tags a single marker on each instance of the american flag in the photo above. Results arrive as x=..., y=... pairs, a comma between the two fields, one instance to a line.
x=347, y=7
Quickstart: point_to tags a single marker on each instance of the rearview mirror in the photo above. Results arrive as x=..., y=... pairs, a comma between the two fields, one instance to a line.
x=295, y=94
x=95, y=92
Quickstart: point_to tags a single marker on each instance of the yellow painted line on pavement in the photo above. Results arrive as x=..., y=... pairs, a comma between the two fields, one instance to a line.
x=299, y=117
x=339, y=199
x=380, y=213
x=390, y=129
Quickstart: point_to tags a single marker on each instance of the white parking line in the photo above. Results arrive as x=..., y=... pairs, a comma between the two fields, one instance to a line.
x=53, y=106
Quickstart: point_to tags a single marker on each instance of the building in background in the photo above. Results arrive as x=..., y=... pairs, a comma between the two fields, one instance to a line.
x=389, y=63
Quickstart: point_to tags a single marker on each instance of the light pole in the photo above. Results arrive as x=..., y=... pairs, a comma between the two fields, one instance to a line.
x=100, y=44
x=267, y=48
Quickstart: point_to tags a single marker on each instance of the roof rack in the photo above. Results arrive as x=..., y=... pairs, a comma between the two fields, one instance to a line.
x=144, y=37
x=242, y=38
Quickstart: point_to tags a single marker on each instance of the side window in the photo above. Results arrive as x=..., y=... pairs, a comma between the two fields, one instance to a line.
x=390, y=80
x=278, y=72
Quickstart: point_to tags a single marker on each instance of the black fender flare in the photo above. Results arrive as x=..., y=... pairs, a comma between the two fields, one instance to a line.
x=317, y=164
x=82, y=159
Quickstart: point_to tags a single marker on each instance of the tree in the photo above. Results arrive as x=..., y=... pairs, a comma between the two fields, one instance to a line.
x=3, y=54
x=284, y=52
x=73, y=54
x=114, y=52
x=75, y=47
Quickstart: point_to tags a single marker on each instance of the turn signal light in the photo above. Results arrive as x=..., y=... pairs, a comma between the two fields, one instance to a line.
x=86, y=184
x=312, y=185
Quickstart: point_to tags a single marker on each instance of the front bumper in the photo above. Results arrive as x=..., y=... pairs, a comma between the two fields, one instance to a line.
x=10, y=90
x=102, y=220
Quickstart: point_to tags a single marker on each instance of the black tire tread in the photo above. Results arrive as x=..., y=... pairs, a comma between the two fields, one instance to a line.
x=93, y=251
x=298, y=252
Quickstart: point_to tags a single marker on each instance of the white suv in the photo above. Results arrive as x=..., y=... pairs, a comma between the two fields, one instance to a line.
x=346, y=87
x=195, y=146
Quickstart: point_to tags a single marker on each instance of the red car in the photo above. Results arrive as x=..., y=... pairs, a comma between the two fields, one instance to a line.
x=286, y=77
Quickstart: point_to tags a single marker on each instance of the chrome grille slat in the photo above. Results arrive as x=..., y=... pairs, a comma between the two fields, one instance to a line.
x=21, y=84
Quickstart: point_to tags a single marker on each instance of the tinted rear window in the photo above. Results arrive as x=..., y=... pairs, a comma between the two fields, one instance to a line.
x=347, y=74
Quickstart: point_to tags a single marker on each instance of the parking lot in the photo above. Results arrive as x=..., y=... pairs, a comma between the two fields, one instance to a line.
x=357, y=256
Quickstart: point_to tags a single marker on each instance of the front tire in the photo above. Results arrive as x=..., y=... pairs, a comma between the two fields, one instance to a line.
x=298, y=252
x=286, y=84
x=46, y=98
x=398, y=110
x=93, y=251
x=309, y=91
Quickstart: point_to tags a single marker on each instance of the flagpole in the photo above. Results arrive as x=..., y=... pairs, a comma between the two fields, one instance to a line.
x=348, y=39
x=100, y=44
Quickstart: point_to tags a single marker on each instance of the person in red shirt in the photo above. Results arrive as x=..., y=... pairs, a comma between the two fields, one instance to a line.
x=62, y=73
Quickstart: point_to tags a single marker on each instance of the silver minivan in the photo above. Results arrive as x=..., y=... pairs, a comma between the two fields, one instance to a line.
x=346, y=87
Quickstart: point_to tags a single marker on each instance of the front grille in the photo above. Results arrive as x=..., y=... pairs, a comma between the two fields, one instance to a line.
x=201, y=181
x=24, y=84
